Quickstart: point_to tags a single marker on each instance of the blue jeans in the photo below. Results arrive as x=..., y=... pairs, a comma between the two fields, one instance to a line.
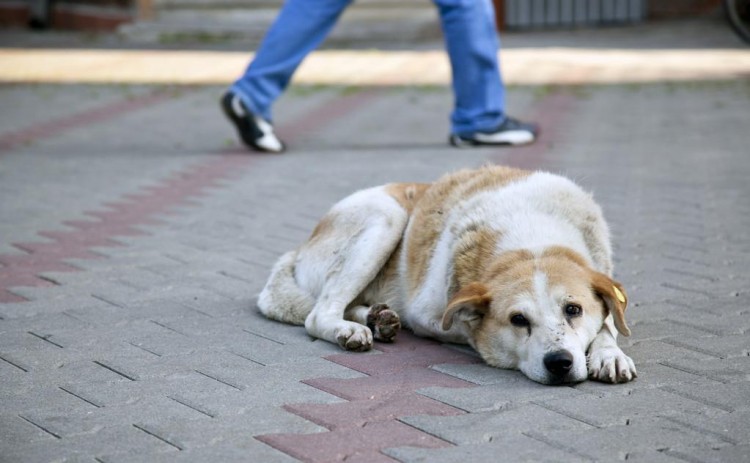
x=470, y=38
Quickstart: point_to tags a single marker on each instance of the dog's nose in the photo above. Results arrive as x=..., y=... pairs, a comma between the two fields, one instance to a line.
x=559, y=363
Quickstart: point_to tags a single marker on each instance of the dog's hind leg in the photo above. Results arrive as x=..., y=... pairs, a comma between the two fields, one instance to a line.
x=347, y=250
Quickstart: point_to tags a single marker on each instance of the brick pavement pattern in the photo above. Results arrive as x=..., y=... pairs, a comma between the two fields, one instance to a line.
x=133, y=334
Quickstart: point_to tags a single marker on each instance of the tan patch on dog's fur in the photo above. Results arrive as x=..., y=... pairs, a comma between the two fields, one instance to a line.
x=472, y=257
x=607, y=289
x=407, y=194
x=428, y=219
x=472, y=298
x=323, y=228
x=388, y=275
x=511, y=273
x=563, y=254
x=506, y=266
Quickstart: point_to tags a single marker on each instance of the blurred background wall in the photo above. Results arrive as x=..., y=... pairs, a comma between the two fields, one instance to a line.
x=231, y=16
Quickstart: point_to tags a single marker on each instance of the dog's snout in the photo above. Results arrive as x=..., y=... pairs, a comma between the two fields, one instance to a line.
x=559, y=363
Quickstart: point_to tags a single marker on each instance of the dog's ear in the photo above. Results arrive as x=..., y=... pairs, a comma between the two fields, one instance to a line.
x=470, y=303
x=614, y=297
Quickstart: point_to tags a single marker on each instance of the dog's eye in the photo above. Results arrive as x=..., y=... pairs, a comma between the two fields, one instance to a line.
x=519, y=320
x=573, y=310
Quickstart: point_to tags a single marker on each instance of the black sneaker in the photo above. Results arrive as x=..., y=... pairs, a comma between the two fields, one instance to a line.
x=256, y=132
x=511, y=132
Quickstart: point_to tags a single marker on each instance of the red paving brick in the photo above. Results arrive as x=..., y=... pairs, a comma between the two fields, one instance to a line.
x=378, y=386
x=361, y=412
x=101, y=114
x=356, y=443
x=369, y=422
x=44, y=257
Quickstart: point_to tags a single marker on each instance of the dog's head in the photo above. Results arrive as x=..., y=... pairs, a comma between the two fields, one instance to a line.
x=538, y=314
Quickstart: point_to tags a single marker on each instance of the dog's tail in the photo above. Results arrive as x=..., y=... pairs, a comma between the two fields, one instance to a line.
x=282, y=299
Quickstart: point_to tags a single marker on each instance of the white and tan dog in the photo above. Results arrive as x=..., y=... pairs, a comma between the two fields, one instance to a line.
x=515, y=263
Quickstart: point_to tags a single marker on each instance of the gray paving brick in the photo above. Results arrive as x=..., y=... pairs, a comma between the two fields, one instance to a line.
x=510, y=447
x=43, y=306
x=44, y=357
x=717, y=324
x=15, y=429
x=648, y=456
x=225, y=450
x=723, y=347
x=649, y=329
x=122, y=439
x=479, y=373
x=650, y=375
x=723, y=370
x=224, y=400
x=717, y=454
x=140, y=259
x=206, y=431
x=618, y=441
x=661, y=351
x=484, y=427
x=112, y=292
x=122, y=392
x=729, y=397
x=499, y=396
x=270, y=352
x=732, y=428
x=614, y=410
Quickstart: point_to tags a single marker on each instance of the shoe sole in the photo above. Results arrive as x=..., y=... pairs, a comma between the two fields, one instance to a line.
x=517, y=140
x=246, y=131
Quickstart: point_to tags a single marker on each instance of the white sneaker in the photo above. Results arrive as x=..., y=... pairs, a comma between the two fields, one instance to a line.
x=510, y=132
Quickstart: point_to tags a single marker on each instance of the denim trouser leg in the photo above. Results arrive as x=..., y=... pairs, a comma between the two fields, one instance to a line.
x=472, y=44
x=301, y=26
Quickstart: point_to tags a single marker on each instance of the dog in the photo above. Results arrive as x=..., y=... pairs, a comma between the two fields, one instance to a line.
x=515, y=263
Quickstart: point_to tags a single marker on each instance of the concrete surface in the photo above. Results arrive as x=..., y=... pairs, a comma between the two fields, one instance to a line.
x=135, y=232
x=656, y=52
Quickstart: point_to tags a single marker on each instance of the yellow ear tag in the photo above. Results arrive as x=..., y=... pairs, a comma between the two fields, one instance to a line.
x=618, y=293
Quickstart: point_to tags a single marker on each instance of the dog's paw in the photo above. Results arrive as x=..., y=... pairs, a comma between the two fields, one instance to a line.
x=383, y=322
x=354, y=336
x=611, y=365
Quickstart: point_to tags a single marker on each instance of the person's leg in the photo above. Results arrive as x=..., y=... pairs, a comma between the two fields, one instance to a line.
x=301, y=26
x=471, y=40
x=472, y=45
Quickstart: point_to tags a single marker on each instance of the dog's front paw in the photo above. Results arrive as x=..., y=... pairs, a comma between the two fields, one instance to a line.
x=611, y=365
x=383, y=322
x=354, y=336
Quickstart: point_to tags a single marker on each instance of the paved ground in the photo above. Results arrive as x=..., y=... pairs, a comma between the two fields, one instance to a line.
x=135, y=234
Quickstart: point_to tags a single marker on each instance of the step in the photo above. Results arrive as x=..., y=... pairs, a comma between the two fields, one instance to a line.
x=239, y=4
x=360, y=25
